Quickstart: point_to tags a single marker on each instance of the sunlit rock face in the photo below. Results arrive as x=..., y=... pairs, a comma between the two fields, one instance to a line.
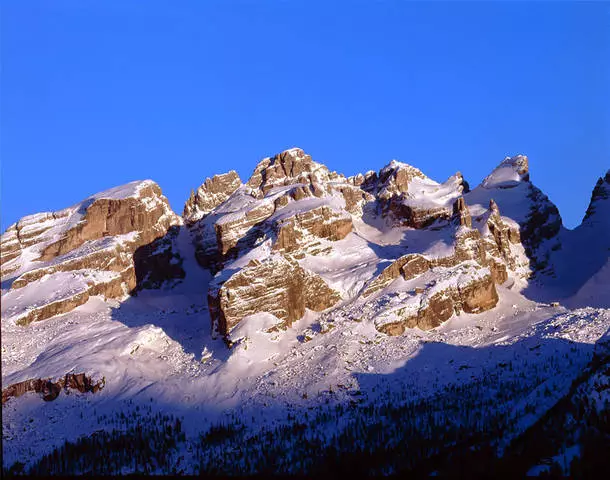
x=57, y=260
x=210, y=194
x=276, y=285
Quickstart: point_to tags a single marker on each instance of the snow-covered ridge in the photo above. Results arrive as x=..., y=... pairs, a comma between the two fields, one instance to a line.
x=301, y=290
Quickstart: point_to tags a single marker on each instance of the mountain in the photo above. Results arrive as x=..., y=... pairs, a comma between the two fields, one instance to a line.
x=300, y=290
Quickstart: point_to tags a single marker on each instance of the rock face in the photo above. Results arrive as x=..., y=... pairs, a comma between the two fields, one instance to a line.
x=411, y=198
x=291, y=167
x=275, y=285
x=471, y=295
x=294, y=232
x=56, y=261
x=50, y=390
x=158, y=262
x=291, y=207
x=296, y=207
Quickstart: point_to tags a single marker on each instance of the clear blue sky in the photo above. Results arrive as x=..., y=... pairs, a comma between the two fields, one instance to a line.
x=99, y=93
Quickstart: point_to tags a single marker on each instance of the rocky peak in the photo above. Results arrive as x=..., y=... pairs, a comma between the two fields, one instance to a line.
x=599, y=197
x=287, y=168
x=210, y=194
x=393, y=179
x=510, y=172
x=493, y=207
x=461, y=181
x=410, y=198
x=461, y=212
x=533, y=218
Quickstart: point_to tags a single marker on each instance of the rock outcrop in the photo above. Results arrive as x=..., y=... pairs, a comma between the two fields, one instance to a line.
x=300, y=230
x=412, y=199
x=50, y=390
x=291, y=167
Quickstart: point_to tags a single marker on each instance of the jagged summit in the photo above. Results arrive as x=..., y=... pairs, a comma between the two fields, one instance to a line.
x=287, y=168
x=509, y=173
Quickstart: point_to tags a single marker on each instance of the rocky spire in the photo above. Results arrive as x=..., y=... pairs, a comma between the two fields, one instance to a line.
x=493, y=207
x=461, y=212
x=600, y=192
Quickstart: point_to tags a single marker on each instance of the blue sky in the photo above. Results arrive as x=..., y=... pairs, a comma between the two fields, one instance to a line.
x=100, y=93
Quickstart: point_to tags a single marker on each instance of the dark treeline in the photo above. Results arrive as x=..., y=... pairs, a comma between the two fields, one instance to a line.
x=458, y=430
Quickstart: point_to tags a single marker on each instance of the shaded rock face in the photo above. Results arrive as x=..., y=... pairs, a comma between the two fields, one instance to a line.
x=212, y=193
x=461, y=212
x=50, y=390
x=82, y=251
x=601, y=193
x=158, y=262
x=417, y=217
x=276, y=285
x=543, y=223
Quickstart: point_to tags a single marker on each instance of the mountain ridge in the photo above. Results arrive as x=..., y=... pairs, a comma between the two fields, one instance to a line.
x=299, y=290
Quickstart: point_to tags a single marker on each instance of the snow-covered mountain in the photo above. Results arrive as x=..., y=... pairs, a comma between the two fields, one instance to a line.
x=385, y=295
